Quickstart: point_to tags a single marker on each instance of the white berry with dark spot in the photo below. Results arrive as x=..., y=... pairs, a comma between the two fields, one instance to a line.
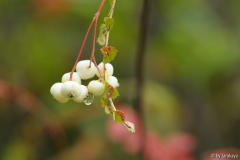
x=83, y=94
x=71, y=89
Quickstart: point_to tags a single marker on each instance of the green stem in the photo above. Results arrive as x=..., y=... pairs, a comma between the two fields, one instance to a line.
x=107, y=37
x=110, y=16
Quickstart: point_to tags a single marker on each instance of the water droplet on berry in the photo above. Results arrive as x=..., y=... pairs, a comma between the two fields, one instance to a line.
x=89, y=99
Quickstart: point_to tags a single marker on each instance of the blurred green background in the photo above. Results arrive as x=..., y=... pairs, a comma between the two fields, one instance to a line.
x=191, y=73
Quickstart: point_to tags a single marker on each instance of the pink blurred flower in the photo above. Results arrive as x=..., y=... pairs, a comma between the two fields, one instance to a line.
x=181, y=144
x=177, y=146
x=118, y=134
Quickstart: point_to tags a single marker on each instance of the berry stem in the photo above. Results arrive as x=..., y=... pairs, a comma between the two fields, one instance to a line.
x=101, y=6
x=111, y=102
x=80, y=52
x=94, y=38
x=93, y=48
x=100, y=72
x=104, y=71
x=95, y=18
x=127, y=125
x=94, y=41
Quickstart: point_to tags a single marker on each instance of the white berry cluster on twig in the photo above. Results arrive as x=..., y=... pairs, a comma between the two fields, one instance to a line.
x=106, y=86
x=73, y=89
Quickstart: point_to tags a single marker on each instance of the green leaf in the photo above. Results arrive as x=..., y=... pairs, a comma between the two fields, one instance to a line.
x=129, y=126
x=118, y=116
x=109, y=53
x=115, y=93
x=109, y=110
x=103, y=102
x=103, y=27
x=101, y=38
x=105, y=91
x=110, y=92
x=109, y=22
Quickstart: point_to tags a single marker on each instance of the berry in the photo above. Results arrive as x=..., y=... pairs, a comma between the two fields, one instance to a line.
x=55, y=91
x=75, y=77
x=84, y=71
x=96, y=88
x=71, y=89
x=113, y=81
x=83, y=95
x=109, y=69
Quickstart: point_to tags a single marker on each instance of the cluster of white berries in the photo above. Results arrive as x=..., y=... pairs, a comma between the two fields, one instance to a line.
x=74, y=89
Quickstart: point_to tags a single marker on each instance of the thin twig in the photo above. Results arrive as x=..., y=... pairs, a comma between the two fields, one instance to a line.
x=95, y=18
x=107, y=36
x=80, y=52
x=141, y=50
x=112, y=104
x=110, y=16
x=94, y=41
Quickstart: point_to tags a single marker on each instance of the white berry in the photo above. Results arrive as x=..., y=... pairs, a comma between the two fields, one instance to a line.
x=75, y=77
x=84, y=71
x=96, y=88
x=83, y=94
x=113, y=81
x=55, y=91
x=71, y=89
x=109, y=69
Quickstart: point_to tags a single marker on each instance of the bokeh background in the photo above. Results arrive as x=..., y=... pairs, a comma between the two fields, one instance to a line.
x=191, y=103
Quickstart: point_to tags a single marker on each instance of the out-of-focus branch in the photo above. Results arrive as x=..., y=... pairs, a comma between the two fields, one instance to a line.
x=140, y=56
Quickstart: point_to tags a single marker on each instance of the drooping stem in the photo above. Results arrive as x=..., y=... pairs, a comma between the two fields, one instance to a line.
x=93, y=48
x=104, y=71
x=110, y=16
x=100, y=72
x=94, y=41
x=94, y=37
x=107, y=36
x=101, y=6
x=94, y=19
x=79, y=55
x=111, y=102
x=140, y=57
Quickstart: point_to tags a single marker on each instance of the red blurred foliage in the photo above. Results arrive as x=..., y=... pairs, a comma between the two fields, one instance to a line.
x=37, y=108
x=52, y=6
x=177, y=146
